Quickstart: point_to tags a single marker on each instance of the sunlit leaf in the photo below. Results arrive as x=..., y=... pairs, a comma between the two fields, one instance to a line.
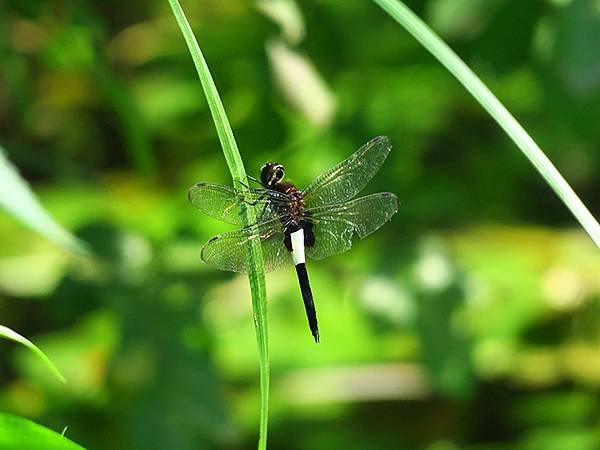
x=17, y=433
x=301, y=84
x=17, y=199
x=287, y=15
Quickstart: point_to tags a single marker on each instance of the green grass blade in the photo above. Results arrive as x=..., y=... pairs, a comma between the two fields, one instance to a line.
x=17, y=433
x=422, y=33
x=256, y=272
x=17, y=199
x=7, y=333
x=228, y=143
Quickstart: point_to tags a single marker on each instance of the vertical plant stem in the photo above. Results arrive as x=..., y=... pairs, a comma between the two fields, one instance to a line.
x=445, y=55
x=135, y=132
x=256, y=274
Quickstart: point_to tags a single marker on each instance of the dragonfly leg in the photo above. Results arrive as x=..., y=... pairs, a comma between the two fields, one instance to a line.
x=262, y=213
x=251, y=178
x=243, y=184
x=255, y=202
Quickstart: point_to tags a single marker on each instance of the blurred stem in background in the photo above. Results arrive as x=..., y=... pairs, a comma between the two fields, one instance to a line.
x=444, y=54
x=134, y=130
x=256, y=272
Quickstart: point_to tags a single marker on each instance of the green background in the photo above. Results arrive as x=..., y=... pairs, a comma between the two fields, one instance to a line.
x=470, y=321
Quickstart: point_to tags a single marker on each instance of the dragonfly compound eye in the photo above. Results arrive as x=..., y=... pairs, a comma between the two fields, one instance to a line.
x=271, y=173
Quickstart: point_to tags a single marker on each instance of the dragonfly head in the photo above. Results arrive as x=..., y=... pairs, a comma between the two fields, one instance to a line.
x=271, y=174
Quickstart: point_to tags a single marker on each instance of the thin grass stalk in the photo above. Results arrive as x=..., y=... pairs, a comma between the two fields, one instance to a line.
x=256, y=273
x=445, y=55
x=7, y=333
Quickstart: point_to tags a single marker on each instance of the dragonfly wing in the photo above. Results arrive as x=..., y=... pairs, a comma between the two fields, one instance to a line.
x=228, y=251
x=225, y=203
x=348, y=178
x=335, y=225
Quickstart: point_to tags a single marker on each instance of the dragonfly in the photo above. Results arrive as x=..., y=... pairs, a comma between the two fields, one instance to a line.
x=318, y=221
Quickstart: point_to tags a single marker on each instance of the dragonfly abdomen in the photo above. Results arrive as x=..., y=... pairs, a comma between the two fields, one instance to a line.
x=309, y=304
x=294, y=241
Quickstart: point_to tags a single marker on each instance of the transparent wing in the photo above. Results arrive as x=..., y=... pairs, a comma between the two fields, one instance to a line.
x=348, y=178
x=335, y=225
x=227, y=251
x=224, y=202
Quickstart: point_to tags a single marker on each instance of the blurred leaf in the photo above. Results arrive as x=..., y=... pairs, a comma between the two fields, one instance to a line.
x=166, y=97
x=301, y=84
x=442, y=325
x=505, y=43
x=462, y=18
x=70, y=48
x=561, y=438
x=19, y=201
x=133, y=126
x=17, y=433
x=18, y=280
x=547, y=409
x=578, y=46
x=287, y=15
x=7, y=333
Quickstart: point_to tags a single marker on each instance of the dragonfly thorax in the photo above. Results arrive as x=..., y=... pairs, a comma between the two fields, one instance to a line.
x=295, y=207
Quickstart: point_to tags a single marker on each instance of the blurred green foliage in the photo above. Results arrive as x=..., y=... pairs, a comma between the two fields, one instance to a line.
x=469, y=321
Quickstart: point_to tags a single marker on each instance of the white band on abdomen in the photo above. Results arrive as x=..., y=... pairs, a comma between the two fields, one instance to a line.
x=297, y=238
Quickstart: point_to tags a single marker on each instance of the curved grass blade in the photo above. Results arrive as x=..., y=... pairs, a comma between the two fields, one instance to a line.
x=17, y=433
x=445, y=55
x=256, y=272
x=7, y=333
x=17, y=199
